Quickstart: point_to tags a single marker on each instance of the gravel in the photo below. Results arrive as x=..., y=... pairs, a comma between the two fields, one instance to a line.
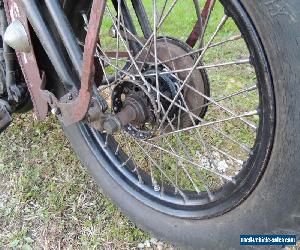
x=154, y=244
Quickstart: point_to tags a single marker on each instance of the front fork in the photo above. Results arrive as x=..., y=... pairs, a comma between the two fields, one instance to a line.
x=81, y=92
x=74, y=106
x=82, y=102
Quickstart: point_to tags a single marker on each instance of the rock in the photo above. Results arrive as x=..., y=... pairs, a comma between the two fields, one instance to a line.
x=160, y=246
x=147, y=243
x=205, y=162
x=153, y=241
x=141, y=246
x=222, y=166
x=216, y=155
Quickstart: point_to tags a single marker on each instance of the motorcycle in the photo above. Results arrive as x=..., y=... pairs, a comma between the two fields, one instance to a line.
x=186, y=113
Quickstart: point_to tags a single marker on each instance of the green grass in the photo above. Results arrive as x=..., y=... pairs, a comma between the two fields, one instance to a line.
x=48, y=200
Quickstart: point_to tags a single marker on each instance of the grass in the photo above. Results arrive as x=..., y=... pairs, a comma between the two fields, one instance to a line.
x=47, y=199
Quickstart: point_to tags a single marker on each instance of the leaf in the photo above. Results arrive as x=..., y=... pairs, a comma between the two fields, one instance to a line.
x=26, y=247
x=14, y=243
x=28, y=240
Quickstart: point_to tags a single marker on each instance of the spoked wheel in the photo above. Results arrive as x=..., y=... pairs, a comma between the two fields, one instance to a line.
x=192, y=81
x=195, y=147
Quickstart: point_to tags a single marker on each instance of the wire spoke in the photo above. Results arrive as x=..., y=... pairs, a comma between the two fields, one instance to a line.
x=184, y=83
x=181, y=144
x=118, y=38
x=155, y=55
x=196, y=52
x=128, y=50
x=188, y=161
x=205, y=124
x=217, y=65
x=161, y=170
x=221, y=24
x=197, y=118
x=237, y=62
x=246, y=90
x=187, y=153
x=206, y=13
x=149, y=42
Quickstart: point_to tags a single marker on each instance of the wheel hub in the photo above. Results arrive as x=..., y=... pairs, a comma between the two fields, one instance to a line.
x=135, y=104
x=168, y=86
x=135, y=108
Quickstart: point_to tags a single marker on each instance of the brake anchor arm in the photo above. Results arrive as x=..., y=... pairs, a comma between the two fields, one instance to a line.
x=72, y=109
x=74, y=106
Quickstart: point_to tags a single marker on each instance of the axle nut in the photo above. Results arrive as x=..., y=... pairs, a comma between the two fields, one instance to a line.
x=111, y=125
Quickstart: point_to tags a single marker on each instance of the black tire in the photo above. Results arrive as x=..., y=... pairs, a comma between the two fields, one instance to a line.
x=274, y=205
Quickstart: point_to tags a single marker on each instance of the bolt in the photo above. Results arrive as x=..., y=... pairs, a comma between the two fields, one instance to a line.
x=110, y=126
x=70, y=97
x=156, y=188
x=112, y=32
x=53, y=111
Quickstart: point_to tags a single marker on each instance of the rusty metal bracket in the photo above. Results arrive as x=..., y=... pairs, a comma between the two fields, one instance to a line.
x=73, y=109
x=74, y=106
x=198, y=28
x=34, y=78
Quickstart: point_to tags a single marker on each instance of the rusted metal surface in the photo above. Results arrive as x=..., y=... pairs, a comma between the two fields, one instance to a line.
x=135, y=106
x=72, y=109
x=172, y=48
x=134, y=111
x=207, y=9
x=119, y=54
x=198, y=28
x=34, y=78
x=196, y=33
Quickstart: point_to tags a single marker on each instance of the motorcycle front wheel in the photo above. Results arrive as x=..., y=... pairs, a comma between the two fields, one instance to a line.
x=216, y=154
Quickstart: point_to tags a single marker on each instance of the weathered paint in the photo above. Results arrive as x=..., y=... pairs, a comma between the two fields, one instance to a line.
x=34, y=78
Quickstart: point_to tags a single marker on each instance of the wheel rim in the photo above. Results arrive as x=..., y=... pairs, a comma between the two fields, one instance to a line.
x=145, y=167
